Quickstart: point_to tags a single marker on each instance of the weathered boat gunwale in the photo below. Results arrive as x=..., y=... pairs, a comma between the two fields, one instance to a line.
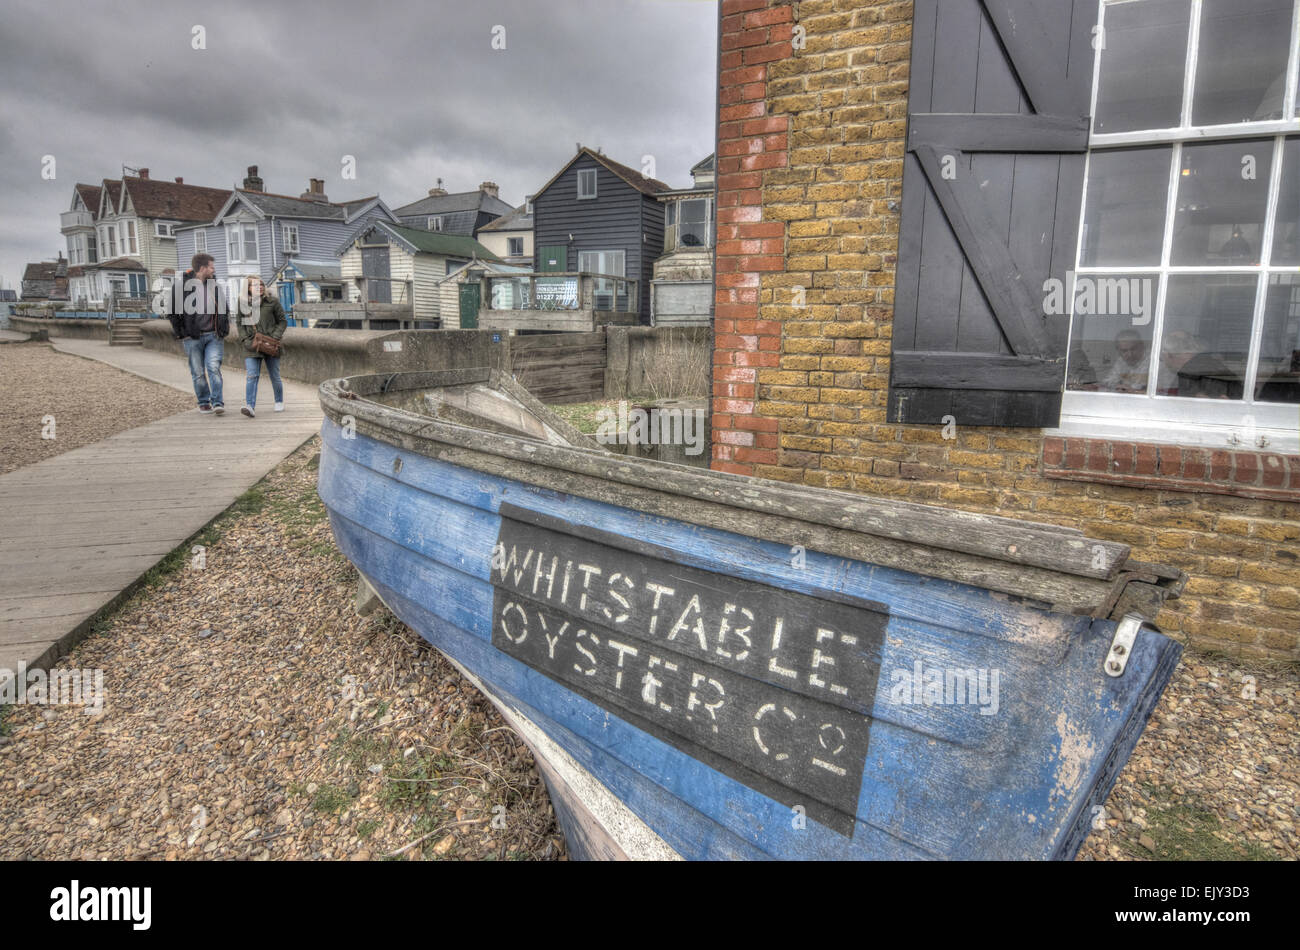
x=1057, y=566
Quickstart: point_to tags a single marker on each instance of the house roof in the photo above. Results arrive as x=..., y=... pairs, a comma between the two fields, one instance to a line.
x=356, y=204
x=89, y=197
x=41, y=270
x=517, y=220
x=647, y=186
x=494, y=267
x=169, y=200
x=313, y=270
x=114, y=189
x=282, y=206
x=418, y=240
x=117, y=263
x=460, y=201
x=705, y=164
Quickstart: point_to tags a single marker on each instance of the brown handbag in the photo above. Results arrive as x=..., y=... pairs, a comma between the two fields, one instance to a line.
x=266, y=345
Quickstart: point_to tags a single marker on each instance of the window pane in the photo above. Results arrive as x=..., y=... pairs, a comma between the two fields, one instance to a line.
x=1222, y=200
x=1206, y=337
x=1278, y=379
x=1143, y=65
x=694, y=228
x=1286, y=230
x=1124, y=220
x=1110, y=337
x=1242, y=62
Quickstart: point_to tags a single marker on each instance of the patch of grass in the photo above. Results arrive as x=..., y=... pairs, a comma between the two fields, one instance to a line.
x=583, y=415
x=412, y=781
x=1184, y=832
x=330, y=798
x=367, y=828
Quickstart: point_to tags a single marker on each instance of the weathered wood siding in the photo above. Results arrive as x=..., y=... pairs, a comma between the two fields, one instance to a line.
x=560, y=367
x=618, y=218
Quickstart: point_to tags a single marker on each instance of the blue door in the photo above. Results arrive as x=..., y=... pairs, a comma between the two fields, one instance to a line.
x=286, y=301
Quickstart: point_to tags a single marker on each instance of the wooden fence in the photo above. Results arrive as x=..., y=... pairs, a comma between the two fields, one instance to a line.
x=560, y=367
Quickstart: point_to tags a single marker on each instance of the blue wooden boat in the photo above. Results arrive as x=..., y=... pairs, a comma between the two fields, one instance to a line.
x=711, y=666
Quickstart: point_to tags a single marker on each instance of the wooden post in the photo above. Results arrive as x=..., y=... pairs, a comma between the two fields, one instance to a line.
x=617, y=353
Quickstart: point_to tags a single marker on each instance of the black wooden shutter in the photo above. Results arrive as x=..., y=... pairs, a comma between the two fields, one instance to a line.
x=992, y=186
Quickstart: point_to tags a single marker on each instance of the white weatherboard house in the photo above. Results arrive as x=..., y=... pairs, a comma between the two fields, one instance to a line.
x=386, y=263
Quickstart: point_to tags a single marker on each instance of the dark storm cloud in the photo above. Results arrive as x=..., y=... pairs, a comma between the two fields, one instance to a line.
x=413, y=90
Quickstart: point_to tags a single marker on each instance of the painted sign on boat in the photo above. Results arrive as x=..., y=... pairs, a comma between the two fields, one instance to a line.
x=771, y=687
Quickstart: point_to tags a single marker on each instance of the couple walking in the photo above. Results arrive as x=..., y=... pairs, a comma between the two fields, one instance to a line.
x=203, y=326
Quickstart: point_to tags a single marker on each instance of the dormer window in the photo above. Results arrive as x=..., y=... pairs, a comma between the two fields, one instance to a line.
x=435, y=222
x=586, y=183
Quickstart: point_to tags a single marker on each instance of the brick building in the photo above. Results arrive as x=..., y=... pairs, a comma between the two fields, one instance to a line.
x=891, y=218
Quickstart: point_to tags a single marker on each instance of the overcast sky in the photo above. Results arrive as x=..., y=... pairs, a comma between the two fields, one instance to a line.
x=412, y=88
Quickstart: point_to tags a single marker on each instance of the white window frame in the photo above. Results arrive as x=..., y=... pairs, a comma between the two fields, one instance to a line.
x=237, y=245
x=127, y=237
x=600, y=282
x=289, y=234
x=1244, y=423
x=164, y=229
x=109, y=237
x=200, y=241
x=582, y=174
x=434, y=223
x=679, y=206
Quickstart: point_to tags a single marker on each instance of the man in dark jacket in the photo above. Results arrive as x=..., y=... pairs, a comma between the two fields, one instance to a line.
x=199, y=319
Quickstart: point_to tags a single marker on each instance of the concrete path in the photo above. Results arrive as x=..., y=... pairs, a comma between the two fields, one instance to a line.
x=12, y=336
x=77, y=529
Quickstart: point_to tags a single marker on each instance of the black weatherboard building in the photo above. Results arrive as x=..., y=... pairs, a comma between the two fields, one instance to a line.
x=600, y=217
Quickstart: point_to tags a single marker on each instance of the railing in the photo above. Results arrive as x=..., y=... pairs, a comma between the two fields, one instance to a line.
x=571, y=290
x=75, y=219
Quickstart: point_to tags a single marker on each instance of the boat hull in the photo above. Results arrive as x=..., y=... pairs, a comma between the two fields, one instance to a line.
x=778, y=703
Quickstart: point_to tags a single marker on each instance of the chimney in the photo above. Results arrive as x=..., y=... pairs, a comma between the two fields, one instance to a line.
x=488, y=188
x=180, y=180
x=61, y=266
x=437, y=191
x=315, y=190
x=144, y=173
x=252, y=182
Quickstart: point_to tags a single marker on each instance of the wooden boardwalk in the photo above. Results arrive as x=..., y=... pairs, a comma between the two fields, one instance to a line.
x=79, y=528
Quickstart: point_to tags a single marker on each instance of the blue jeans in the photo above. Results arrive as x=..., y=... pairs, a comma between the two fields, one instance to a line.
x=253, y=367
x=205, y=356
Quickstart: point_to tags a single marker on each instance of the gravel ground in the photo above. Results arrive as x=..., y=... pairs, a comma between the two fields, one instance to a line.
x=1216, y=775
x=89, y=401
x=250, y=714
